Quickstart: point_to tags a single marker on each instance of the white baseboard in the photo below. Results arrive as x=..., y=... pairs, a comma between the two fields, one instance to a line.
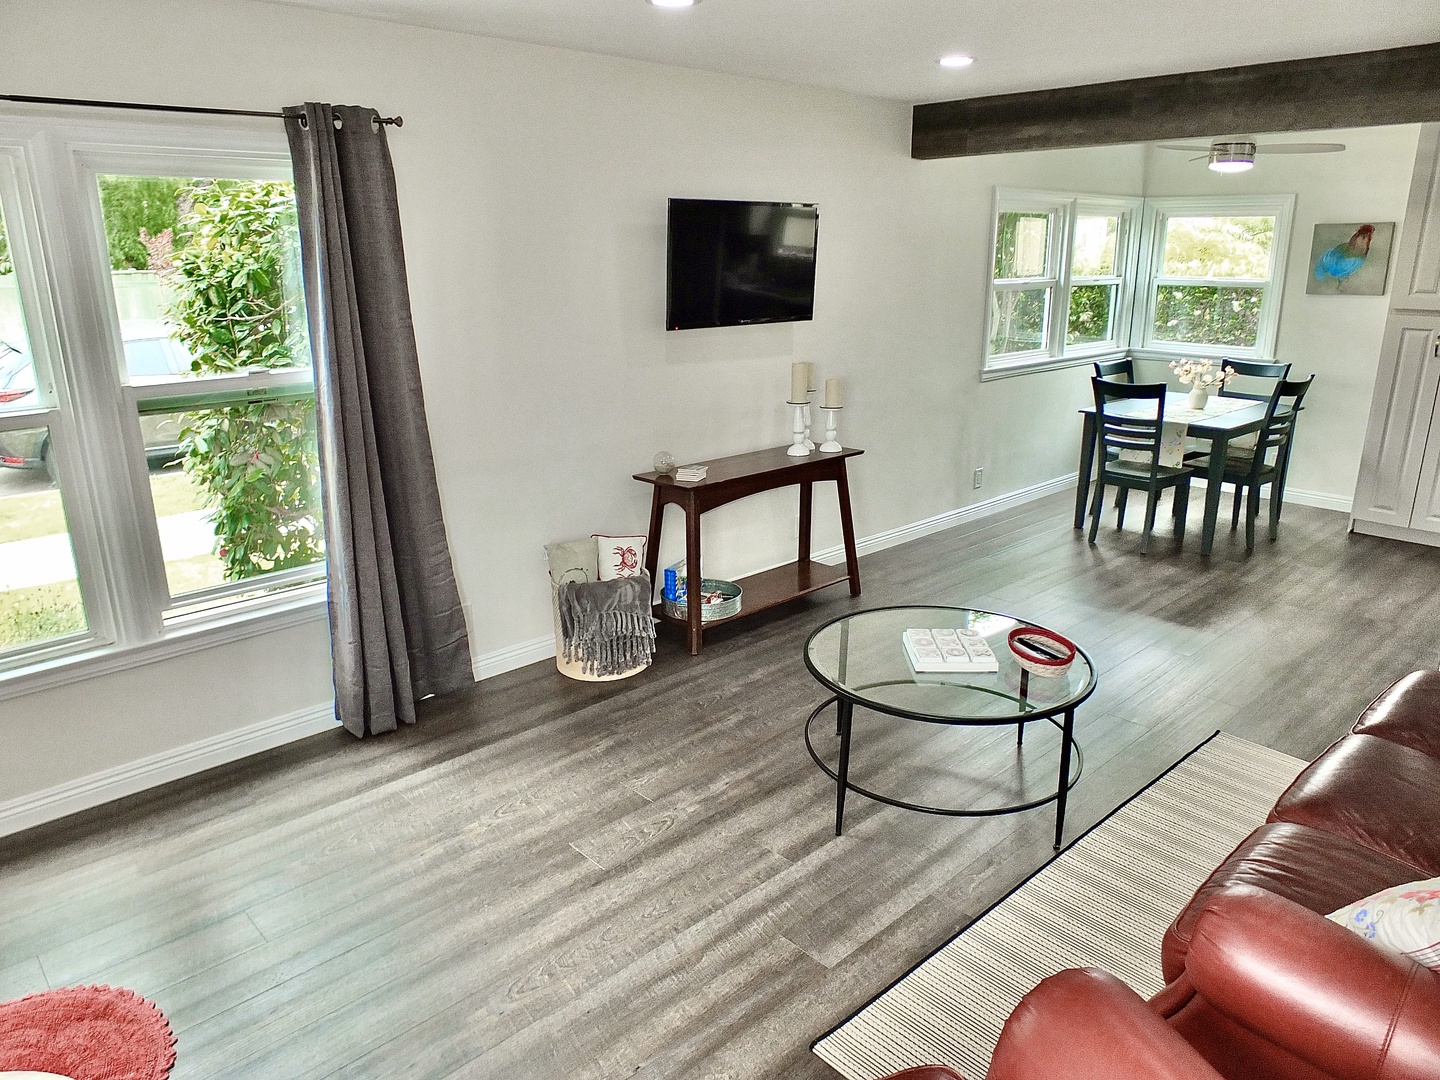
x=110, y=784
x=949, y=519
x=1323, y=500
x=511, y=657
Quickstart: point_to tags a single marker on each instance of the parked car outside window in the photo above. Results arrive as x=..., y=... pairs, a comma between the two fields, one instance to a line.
x=151, y=354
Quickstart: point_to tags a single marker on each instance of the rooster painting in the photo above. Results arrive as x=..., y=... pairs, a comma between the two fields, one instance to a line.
x=1355, y=265
x=1342, y=260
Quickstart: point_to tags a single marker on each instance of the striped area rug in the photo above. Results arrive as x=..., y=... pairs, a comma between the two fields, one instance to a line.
x=1104, y=901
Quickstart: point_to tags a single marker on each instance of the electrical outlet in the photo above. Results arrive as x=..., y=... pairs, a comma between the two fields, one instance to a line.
x=979, y=479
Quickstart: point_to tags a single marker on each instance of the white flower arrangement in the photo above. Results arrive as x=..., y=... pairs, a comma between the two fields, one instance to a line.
x=1201, y=374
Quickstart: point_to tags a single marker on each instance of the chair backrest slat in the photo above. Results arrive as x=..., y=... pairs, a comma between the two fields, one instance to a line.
x=1253, y=369
x=1124, y=430
x=1112, y=370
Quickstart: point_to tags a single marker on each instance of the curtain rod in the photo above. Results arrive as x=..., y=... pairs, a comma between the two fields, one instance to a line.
x=25, y=99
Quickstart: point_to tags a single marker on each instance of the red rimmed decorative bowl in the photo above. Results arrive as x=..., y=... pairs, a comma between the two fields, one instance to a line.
x=1041, y=651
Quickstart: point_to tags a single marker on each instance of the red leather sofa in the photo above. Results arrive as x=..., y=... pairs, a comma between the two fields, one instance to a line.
x=1260, y=986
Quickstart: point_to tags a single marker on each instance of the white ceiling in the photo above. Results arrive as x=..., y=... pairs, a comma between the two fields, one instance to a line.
x=889, y=48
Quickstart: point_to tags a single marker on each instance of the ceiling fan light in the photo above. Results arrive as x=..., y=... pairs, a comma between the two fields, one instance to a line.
x=956, y=60
x=1232, y=157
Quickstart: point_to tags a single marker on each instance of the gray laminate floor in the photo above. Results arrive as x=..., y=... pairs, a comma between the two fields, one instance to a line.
x=641, y=880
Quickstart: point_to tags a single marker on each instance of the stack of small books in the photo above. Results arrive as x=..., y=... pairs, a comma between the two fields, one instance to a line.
x=945, y=650
x=690, y=474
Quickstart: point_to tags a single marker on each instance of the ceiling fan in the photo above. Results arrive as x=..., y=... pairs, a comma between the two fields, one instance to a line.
x=1237, y=155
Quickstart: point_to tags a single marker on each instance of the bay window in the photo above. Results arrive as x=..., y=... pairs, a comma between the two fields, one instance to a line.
x=159, y=471
x=1078, y=278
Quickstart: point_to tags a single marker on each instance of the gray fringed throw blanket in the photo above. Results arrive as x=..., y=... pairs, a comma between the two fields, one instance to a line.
x=607, y=625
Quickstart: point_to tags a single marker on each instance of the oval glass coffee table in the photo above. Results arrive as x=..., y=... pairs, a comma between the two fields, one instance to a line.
x=861, y=658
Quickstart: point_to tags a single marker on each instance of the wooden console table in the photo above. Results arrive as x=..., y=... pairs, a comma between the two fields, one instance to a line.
x=732, y=478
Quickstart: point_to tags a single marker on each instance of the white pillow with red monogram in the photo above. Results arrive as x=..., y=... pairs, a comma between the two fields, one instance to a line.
x=620, y=556
x=1405, y=918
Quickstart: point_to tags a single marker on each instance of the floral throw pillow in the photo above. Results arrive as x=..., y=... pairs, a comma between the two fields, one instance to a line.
x=620, y=556
x=1405, y=918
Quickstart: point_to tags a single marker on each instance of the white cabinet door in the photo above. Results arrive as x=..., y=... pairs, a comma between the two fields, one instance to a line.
x=1417, y=267
x=1401, y=415
x=1426, y=516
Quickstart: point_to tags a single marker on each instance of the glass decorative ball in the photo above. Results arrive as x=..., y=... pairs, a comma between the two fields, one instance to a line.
x=665, y=462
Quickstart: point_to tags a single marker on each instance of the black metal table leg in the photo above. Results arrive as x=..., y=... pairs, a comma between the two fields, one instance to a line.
x=843, y=712
x=1067, y=740
x=1024, y=694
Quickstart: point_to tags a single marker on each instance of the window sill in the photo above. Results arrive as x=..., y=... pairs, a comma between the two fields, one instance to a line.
x=298, y=607
x=1201, y=352
x=1030, y=367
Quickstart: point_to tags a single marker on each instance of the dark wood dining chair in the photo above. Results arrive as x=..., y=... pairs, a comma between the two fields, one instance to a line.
x=1252, y=469
x=1254, y=369
x=1120, y=430
x=1113, y=369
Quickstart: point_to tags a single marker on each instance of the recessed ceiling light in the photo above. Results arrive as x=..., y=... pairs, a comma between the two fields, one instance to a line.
x=674, y=3
x=954, y=60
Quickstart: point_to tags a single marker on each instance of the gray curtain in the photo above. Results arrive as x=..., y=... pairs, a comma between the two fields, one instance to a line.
x=397, y=630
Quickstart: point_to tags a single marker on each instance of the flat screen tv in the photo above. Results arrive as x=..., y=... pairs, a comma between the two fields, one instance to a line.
x=733, y=263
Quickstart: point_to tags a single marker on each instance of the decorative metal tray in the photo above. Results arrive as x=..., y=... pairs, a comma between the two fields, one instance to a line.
x=679, y=609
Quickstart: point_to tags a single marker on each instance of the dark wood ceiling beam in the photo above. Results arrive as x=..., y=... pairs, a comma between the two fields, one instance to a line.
x=1391, y=86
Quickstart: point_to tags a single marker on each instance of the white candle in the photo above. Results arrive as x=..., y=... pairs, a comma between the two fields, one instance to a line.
x=832, y=394
x=809, y=375
x=799, y=382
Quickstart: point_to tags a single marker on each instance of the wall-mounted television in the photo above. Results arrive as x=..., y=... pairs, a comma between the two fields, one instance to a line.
x=732, y=263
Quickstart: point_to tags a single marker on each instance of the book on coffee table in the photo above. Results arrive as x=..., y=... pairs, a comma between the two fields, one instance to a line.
x=945, y=651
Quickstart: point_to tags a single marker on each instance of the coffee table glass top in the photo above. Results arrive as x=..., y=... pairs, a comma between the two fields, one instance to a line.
x=861, y=656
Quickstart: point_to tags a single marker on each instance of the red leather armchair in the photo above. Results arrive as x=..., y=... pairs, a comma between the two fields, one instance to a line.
x=1270, y=991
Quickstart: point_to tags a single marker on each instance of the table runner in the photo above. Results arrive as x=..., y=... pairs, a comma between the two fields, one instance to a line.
x=1178, y=418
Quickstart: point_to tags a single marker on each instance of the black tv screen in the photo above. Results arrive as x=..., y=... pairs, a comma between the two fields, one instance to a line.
x=733, y=263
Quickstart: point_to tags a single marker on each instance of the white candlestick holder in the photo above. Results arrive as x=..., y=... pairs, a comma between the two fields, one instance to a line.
x=798, y=429
x=809, y=443
x=830, y=446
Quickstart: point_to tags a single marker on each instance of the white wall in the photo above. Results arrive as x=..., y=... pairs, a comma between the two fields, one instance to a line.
x=532, y=189
x=1337, y=338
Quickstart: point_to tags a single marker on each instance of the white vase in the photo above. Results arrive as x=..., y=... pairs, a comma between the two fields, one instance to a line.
x=1199, y=395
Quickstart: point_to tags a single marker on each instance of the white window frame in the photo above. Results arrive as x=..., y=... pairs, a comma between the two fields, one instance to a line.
x=1127, y=237
x=1157, y=214
x=1064, y=209
x=49, y=164
x=1056, y=208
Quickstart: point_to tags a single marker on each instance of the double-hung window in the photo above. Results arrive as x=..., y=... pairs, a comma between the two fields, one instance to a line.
x=159, y=472
x=1026, y=278
x=1215, y=273
x=1077, y=278
x=1061, y=280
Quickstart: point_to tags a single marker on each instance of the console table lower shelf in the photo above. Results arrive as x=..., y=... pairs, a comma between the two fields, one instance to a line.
x=771, y=588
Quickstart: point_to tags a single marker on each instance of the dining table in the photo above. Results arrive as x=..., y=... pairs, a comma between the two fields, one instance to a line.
x=1224, y=419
